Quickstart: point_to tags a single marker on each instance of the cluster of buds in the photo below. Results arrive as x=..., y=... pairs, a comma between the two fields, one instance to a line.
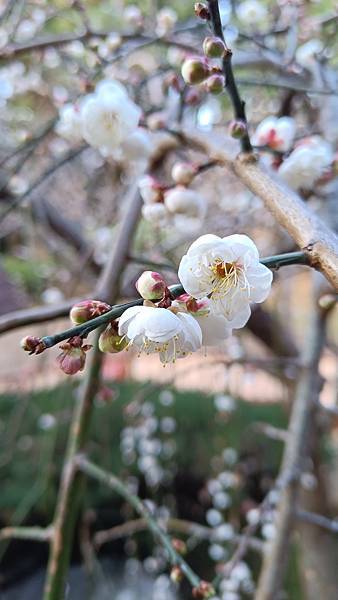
x=87, y=310
x=110, y=341
x=73, y=356
x=197, y=69
x=203, y=590
x=173, y=204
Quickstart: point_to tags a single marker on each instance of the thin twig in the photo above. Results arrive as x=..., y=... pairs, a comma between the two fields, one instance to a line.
x=230, y=82
x=273, y=262
x=118, y=486
x=36, y=534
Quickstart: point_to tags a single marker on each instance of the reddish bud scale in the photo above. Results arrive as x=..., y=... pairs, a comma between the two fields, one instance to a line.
x=30, y=343
x=203, y=590
x=179, y=546
x=202, y=11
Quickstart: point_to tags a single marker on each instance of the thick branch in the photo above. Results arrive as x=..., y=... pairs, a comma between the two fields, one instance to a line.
x=275, y=556
x=308, y=231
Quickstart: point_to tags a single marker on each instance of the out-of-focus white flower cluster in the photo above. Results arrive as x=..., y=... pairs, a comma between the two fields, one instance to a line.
x=179, y=206
x=300, y=164
x=108, y=121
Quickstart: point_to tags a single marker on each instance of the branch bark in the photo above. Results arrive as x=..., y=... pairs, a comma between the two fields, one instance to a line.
x=276, y=552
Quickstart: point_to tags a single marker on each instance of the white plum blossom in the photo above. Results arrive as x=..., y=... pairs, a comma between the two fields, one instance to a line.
x=306, y=54
x=251, y=12
x=133, y=16
x=182, y=201
x=69, y=125
x=278, y=134
x=226, y=270
x=165, y=20
x=109, y=116
x=159, y=330
x=307, y=163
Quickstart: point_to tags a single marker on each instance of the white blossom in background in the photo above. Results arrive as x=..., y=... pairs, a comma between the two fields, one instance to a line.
x=187, y=207
x=69, y=125
x=133, y=16
x=150, y=189
x=155, y=213
x=109, y=116
x=307, y=163
x=306, y=55
x=251, y=12
x=159, y=330
x=166, y=19
x=278, y=134
x=228, y=271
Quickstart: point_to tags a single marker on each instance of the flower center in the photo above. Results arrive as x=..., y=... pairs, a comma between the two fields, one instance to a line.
x=227, y=276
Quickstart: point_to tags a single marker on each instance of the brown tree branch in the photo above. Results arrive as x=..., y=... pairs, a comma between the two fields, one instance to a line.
x=276, y=552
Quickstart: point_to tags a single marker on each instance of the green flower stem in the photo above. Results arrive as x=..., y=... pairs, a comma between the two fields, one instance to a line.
x=272, y=262
x=118, y=486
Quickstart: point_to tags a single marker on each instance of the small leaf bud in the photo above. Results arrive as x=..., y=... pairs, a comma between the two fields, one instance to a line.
x=214, y=47
x=195, y=70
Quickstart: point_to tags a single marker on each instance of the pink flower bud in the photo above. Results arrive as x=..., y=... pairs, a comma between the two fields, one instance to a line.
x=195, y=70
x=214, y=47
x=110, y=341
x=215, y=84
x=73, y=357
x=183, y=172
x=176, y=574
x=151, y=285
x=86, y=310
x=30, y=343
x=202, y=11
x=237, y=128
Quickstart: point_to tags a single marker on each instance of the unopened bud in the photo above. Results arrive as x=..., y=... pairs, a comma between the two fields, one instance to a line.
x=327, y=301
x=202, y=11
x=179, y=545
x=203, y=590
x=215, y=84
x=151, y=285
x=214, y=47
x=195, y=70
x=183, y=172
x=30, y=343
x=86, y=310
x=176, y=575
x=237, y=128
x=73, y=358
x=110, y=341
